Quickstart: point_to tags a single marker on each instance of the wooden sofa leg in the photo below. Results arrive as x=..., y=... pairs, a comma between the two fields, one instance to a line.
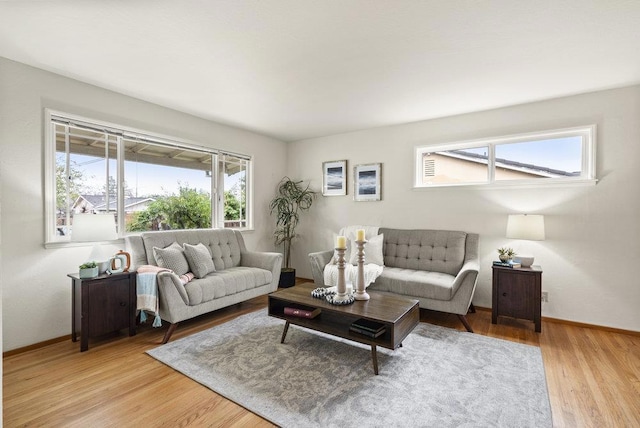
x=466, y=323
x=169, y=332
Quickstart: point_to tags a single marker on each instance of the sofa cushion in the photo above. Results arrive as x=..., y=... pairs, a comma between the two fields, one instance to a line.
x=199, y=259
x=416, y=283
x=427, y=250
x=172, y=257
x=226, y=282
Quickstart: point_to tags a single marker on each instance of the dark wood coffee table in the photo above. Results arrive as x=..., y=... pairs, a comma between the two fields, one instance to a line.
x=400, y=315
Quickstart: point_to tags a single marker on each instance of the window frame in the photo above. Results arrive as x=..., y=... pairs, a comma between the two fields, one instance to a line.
x=51, y=117
x=220, y=195
x=588, y=162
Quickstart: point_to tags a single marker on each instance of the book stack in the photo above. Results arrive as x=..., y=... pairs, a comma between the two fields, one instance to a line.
x=510, y=264
x=368, y=328
x=301, y=313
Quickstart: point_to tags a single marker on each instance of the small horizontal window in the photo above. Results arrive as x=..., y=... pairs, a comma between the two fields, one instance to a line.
x=536, y=158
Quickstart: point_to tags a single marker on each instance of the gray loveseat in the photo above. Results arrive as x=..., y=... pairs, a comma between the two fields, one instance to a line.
x=239, y=274
x=439, y=268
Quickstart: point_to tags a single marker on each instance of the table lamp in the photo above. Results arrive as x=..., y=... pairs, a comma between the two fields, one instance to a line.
x=95, y=228
x=529, y=227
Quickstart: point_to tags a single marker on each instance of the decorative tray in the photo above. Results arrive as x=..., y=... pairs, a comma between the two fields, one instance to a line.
x=329, y=294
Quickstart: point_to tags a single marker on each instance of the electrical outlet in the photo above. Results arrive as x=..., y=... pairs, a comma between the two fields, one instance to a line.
x=545, y=296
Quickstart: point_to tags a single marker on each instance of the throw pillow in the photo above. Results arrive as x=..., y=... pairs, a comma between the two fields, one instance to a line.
x=172, y=257
x=199, y=259
x=372, y=251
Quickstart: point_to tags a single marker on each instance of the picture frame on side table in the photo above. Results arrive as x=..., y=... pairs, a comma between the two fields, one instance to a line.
x=334, y=178
x=367, y=182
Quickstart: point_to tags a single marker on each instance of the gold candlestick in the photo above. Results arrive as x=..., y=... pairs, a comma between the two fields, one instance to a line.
x=361, y=294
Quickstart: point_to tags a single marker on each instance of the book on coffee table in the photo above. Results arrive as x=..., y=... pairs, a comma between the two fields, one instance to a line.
x=372, y=334
x=302, y=313
x=367, y=327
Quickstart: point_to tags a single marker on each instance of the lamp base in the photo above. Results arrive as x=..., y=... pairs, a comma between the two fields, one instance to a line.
x=103, y=266
x=526, y=261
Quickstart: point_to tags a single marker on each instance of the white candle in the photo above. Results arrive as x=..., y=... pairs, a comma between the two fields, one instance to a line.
x=360, y=235
x=341, y=242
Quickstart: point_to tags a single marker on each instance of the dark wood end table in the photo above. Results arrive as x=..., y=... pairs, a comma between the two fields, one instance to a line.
x=517, y=293
x=102, y=305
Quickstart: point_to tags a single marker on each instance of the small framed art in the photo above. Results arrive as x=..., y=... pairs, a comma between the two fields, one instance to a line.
x=334, y=178
x=367, y=181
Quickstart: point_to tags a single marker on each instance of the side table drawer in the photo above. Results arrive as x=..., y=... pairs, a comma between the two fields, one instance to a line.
x=108, y=304
x=514, y=299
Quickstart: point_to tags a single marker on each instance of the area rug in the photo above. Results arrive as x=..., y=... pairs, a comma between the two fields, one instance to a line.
x=440, y=377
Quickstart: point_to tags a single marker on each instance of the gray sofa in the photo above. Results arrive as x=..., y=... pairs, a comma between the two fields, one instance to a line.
x=239, y=274
x=439, y=268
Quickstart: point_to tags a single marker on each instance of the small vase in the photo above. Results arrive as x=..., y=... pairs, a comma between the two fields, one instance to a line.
x=504, y=258
x=88, y=273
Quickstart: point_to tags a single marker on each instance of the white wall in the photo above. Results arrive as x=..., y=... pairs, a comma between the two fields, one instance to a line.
x=36, y=293
x=593, y=232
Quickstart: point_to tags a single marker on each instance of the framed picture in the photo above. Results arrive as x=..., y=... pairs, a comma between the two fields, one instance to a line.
x=367, y=181
x=334, y=178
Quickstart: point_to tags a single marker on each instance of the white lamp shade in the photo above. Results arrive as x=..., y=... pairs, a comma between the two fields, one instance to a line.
x=93, y=227
x=526, y=226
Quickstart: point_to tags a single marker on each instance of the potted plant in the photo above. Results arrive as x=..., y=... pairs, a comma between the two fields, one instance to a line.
x=505, y=254
x=88, y=270
x=292, y=198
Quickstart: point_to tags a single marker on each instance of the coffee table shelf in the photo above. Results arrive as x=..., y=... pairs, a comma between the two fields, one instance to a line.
x=334, y=323
x=399, y=315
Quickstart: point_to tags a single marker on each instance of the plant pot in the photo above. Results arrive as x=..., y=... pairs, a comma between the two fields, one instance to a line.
x=287, y=278
x=504, y=258
x=88, y=273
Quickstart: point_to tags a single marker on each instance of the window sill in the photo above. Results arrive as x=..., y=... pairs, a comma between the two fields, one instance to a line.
x=511, y=185
x=66, y=244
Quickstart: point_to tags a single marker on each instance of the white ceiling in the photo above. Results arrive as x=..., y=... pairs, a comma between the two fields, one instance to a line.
x=295, y=69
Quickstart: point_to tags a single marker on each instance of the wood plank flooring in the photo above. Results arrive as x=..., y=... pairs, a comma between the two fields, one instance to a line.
x=593, y=377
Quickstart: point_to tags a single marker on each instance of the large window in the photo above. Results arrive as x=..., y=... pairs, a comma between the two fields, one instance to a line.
x=148, y=182
x=549, y=157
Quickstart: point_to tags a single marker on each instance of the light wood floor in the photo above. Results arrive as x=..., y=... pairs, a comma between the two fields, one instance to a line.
x=593, y=378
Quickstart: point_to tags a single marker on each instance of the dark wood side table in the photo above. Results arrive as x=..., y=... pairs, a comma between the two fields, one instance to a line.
x=517, y=293
x=102, y=305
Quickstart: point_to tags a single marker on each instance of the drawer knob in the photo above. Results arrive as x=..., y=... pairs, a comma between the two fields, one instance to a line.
x=123, y=304
x=504, y=294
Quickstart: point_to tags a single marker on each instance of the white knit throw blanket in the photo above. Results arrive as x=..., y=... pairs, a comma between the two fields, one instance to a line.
x=371, y=271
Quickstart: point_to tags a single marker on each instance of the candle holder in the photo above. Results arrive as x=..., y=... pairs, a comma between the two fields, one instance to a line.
x=341, y=294
x=361, y=294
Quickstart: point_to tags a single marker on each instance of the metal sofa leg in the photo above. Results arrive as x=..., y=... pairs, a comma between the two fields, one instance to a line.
x=464, y=321
x=472, y=308
x=169, y=332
